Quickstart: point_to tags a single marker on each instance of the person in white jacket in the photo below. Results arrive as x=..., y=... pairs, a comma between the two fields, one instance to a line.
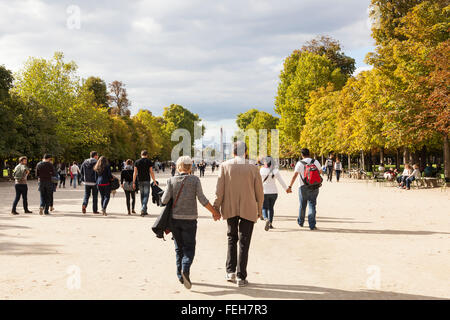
x=269, y=173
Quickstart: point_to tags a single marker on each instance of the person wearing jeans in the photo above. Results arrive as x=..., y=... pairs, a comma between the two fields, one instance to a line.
x=21, y=173
x=103, y=177
x=75, y=172
x=269, y=173
x=143, y=171
x=184, y=190
x=90, y=184
x=306, y=195
x=338, y=169
x=413, y=176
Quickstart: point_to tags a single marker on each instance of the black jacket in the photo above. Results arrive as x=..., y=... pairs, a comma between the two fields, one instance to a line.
x=87, y=171
x=164, y=222
x=157, y=193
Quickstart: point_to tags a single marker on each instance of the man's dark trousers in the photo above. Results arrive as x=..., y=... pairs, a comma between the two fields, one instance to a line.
x=46, y=189
x=87, y=193
x=239, y=230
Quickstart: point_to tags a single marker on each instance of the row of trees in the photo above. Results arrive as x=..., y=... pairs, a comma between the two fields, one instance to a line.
x=46, y=107
x=400, y=106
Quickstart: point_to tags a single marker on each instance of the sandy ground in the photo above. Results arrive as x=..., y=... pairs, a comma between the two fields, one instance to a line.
x=372, y=243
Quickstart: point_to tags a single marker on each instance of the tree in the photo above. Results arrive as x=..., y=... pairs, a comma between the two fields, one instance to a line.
x=118, y=98
x=98, y=88
x=178, y=117
x=258, y=120
x=331, y=48
x=303, y=73
x=71, y=108
x=6, y=82
x=319, y=132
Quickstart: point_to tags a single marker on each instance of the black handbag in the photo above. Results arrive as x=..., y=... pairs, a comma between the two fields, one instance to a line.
x=115, y=184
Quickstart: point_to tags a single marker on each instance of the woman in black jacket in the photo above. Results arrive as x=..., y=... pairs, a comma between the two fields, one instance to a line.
x=126, y=181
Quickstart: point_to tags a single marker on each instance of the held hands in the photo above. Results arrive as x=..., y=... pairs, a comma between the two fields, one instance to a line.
x=289, y=189
x=215, y=213
x=216, y=216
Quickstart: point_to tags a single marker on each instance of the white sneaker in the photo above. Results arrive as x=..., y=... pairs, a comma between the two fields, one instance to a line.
x=231, y=277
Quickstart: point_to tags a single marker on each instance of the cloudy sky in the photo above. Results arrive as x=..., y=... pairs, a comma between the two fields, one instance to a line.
x=217, y=58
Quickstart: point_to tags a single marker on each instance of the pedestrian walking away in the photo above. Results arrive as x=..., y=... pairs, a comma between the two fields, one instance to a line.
x=103, y=177
x=75, y=170
x=184, y=190
x=269, y=173
x=143, y=171
x=338, y=169
x=90, y=184
x=310, y=181
x=126, y=181
x=239, y=199
x=45, y=172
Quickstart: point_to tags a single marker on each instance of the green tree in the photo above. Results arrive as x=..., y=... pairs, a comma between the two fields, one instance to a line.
x=178, y=117
x=118, y=99
x=6, y=82
x=331, y=48
x=303, y=73
x=98, y=87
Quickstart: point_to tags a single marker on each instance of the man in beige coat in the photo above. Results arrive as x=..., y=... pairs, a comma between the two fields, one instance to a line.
x=239, y=198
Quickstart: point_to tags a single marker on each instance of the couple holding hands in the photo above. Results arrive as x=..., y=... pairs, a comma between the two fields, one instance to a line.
x=239, y=201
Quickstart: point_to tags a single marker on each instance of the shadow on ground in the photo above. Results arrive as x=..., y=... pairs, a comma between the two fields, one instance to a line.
x=279, y=291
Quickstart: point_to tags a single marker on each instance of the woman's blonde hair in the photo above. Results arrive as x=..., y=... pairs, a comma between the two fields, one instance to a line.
x=184, y=163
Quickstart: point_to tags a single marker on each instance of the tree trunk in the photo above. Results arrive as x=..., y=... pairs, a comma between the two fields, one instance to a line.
x=363, y=164
x=381, y=155
x=405, y=155
x=446, y=158
x=423, y=157
x=397, y=159
x=349, y=160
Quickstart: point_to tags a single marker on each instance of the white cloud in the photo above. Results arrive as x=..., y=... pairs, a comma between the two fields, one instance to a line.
x=216, y=58
x=147, y=25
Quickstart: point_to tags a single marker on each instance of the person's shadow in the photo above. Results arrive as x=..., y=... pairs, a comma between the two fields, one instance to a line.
x=281, y=291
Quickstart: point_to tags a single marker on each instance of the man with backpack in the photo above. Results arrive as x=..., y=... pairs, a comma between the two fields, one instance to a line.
x=21, y=173
x=310, y=181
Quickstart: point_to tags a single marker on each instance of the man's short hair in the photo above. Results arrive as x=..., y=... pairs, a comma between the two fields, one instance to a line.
x=239, y=148
x=305, y=152
x=93, y=154
x=144, y=153
x=22, y=158
x=47, y=156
